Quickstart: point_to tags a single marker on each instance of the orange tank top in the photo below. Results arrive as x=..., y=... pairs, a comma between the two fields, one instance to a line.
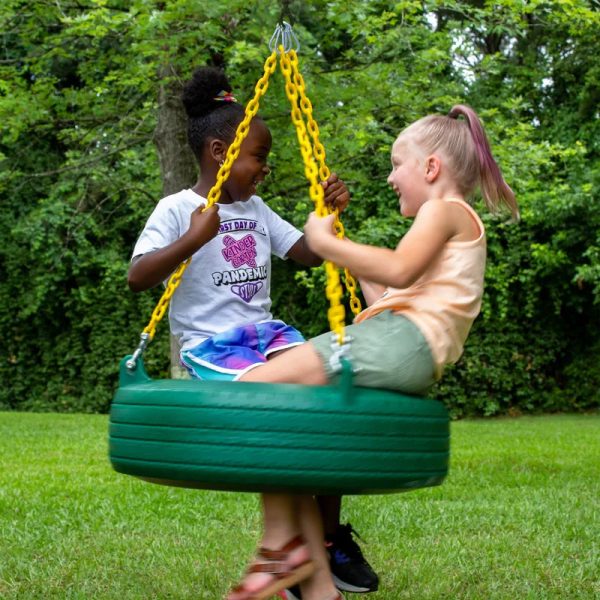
x=445, y=300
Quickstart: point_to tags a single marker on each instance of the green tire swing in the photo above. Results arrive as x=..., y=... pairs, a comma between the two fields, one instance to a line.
x=257, y=437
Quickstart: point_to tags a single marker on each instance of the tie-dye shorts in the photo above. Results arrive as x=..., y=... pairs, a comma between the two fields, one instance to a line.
x=228, y=355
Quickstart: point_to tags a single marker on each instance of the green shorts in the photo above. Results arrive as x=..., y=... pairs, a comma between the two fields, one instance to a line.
x=387, y=351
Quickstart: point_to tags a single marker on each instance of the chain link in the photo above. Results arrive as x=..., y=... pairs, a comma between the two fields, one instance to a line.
x=324, y=173
x=295, y=90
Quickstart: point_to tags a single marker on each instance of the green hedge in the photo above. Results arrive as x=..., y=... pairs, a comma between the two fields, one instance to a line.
x=79, y=175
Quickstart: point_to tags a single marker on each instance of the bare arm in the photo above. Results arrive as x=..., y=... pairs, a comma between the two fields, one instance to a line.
x=433, y=227
x=302, y=254
x=149, y=270
x=370, y=290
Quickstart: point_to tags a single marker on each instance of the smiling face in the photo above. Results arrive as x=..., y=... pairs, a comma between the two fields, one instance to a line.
x=250, y=168
x=408, y=175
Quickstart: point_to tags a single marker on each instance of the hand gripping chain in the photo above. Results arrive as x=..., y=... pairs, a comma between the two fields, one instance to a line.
x=295, y=91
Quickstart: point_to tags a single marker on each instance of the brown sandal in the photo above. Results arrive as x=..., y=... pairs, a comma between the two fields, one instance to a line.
x=275, y=563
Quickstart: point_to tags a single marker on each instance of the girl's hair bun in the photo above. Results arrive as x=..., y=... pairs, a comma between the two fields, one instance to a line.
x=200, y=91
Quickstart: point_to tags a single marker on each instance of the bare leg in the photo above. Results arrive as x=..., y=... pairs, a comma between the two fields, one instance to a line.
x=280, y=515
x=300, y=364
x=285, y=517
x=330, y=508
x=281, y=525
x=320, y=585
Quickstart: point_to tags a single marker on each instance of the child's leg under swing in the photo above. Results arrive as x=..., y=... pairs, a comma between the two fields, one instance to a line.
x=291, y=551
x=287, y=516
x=390, y=351
x=320, y=585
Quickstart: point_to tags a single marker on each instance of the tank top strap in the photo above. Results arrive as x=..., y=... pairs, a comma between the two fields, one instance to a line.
x=472, y=213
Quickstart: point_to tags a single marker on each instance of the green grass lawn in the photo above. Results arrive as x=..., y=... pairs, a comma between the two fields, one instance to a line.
x=518, y=517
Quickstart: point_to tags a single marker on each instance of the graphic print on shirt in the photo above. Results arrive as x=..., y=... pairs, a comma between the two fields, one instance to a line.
x=247, y=277
x=241, y=251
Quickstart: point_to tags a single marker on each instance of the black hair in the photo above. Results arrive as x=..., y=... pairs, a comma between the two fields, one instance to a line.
x=207, y=117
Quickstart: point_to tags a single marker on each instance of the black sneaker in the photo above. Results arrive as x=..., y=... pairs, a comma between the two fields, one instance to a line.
x=351, y=572
x=293, y=593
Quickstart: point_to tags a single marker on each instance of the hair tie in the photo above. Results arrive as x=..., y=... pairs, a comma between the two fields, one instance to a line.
x=224, y=96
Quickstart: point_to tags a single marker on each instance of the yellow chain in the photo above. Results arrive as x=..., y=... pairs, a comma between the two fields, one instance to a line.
x=319, y=154
x=295, y=91
x=336, y=313
x=260, y=89
x=215, y=193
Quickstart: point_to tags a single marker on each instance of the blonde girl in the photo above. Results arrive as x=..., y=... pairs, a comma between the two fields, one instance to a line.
x=422, y=297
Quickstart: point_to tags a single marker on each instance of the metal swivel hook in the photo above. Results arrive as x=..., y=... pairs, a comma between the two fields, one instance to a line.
x=144, y=341
x=284, y=36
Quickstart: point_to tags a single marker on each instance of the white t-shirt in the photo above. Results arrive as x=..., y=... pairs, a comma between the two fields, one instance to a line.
x=227, y=284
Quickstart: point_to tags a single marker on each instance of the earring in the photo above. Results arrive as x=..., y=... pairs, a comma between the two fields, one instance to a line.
x=221, y=163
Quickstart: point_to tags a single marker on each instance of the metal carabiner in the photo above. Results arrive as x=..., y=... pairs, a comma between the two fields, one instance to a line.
x=284, y=36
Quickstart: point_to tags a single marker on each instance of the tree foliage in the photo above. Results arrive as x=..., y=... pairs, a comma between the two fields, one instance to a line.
x=81, y=90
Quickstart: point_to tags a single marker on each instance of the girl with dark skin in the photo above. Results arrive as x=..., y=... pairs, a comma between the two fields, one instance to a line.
x=180, y=227
x=250, y=169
